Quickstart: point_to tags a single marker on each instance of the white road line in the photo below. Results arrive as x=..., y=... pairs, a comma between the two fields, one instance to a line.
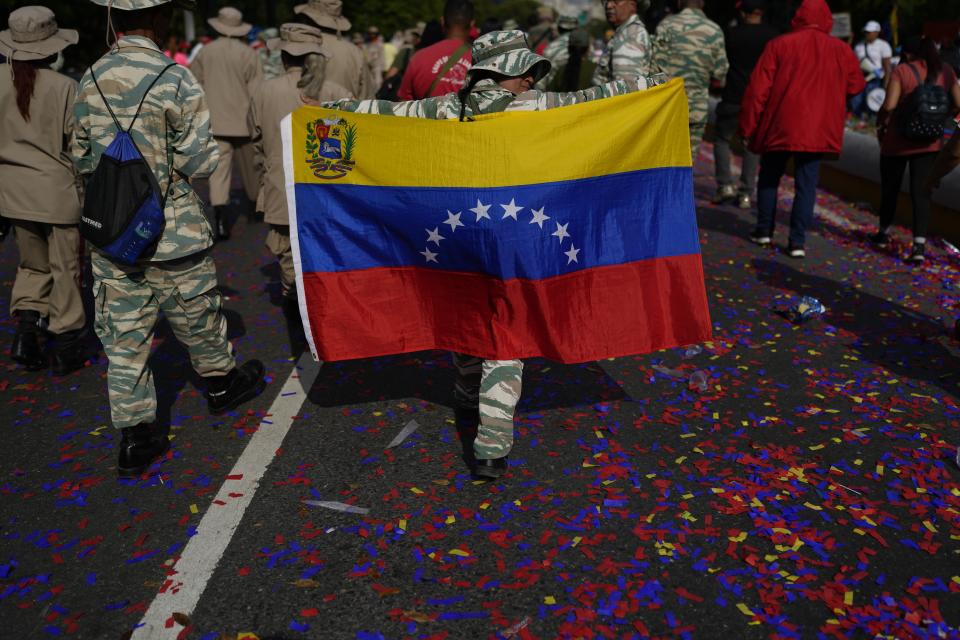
x=189, y=576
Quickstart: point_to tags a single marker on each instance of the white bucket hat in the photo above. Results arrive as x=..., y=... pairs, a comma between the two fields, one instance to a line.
x=33, y=34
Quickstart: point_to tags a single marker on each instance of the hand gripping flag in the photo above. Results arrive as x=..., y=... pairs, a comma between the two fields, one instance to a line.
x=569, y=233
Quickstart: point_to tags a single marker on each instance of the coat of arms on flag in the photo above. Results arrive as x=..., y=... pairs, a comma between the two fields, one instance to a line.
x=569, y=234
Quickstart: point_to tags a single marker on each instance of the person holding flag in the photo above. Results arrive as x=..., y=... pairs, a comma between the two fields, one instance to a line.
x=504, y=72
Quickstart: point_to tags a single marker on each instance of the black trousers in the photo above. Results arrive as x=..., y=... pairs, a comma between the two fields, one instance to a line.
x=891, y=177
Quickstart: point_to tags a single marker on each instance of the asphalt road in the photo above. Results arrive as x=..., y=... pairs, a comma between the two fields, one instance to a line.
x=810, y=491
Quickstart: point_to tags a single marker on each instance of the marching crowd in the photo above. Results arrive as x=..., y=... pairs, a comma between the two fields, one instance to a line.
x=180, y=115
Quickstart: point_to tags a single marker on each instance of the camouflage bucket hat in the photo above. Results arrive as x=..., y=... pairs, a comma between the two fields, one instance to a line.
x=507, y=53
x=136, y=5
x=34, y=35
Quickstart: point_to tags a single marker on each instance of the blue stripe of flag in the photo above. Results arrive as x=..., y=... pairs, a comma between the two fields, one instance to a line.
x=593, y=222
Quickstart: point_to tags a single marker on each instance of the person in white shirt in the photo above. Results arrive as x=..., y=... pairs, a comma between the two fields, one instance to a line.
x=874, y=54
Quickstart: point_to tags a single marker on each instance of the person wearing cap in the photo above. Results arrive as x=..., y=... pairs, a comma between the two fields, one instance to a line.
x=745, y=44
x=300, y=47
x=690, y=45
x=178, y=276
x=502, y=78
x=270, y=61
x=346, y=63
x=442, y=67
x=628, y=52
x=229, y=71
x=558, y=52
x=874, y=54
x=39, y=190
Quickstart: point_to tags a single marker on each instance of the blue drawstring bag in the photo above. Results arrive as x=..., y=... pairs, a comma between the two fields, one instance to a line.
x=123, y=207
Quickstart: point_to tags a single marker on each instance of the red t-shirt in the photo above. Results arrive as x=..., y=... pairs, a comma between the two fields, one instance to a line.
x=894, y=144
x=426, y=65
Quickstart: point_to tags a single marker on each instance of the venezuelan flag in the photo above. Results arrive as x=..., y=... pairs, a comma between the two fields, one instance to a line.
x=569, y=233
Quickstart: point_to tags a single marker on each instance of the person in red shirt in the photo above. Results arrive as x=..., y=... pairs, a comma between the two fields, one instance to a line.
x=442, y=68
x=795, y=107
x=921, y=63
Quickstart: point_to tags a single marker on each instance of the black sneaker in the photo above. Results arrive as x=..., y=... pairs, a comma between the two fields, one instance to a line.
x=26, y=342
x=225, y=393
x=879, y=239
x=796, y=252
x=918, y=253
x=761, y=239
x=139, y=447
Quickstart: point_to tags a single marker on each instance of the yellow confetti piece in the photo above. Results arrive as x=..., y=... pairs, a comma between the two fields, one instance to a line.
x=599, y=434
x=929, y=526
x=680, y=460
x=879, y=469
x=816, y=447
x=687, y=435
x=459, y=552
x=549, y=600
x=403, y=525
x=416, y=491
x=576, y=541
x=738, y=538
x=745, y=610
x=955, y=579
x=812, y=506
x=194, y=509
x=246, y=635
x=484, y=505
x=848, y=598
x=717, y=490
x=450, y=519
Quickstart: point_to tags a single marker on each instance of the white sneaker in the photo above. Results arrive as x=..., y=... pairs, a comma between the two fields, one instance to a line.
x=762, y=240
x=796, y=252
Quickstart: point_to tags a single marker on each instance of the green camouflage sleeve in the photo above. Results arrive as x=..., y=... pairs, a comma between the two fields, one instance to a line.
x=439, y=108
x=632, y=55
x=195, y=153
x=721, y=63
x=542, y=100
x=80, y=149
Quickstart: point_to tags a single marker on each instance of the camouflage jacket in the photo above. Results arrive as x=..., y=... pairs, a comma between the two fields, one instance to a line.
x=558, y=53
x=172, y=132
x=488, y=93
x=627, y=54
x=689, y=45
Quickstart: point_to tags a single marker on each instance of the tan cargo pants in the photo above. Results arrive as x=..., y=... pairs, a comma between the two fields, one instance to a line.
x=278, y=241
x=220, y=179
x=48, y=276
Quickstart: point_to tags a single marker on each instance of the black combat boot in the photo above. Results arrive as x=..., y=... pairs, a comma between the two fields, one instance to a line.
x=490, y=469
x=291, y=313
x=70, y=354
x=139, y=447
x=220, y=230
x=225, y=393
x=26, y=343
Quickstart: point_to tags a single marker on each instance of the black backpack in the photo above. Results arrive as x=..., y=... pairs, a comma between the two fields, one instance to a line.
x=123, y=205
x=924, y=111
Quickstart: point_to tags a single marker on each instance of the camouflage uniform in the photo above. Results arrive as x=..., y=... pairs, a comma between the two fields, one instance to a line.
x=495, y=385
x=270, y=61
x=627, y=54
x=558, y=53
x=689, y=45
x=173, y=134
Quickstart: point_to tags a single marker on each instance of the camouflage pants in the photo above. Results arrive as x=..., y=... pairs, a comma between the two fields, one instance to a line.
x=278, y=242
x=697, y=130
x=494, y=386
x=128, y=300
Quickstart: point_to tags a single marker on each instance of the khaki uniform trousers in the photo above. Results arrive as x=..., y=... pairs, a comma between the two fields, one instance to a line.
x=494, y=386
x=128, y=300
x=48, y=276
x=221, y=177
x=278, y=242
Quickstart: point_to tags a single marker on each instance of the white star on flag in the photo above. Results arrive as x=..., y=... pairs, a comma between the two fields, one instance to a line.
x=481, y=210
x=539, y=217
x=561, y=232
x=572, y=254
x=429, y=255
x=453, y=219
x=434, y=236
x=511, y=210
